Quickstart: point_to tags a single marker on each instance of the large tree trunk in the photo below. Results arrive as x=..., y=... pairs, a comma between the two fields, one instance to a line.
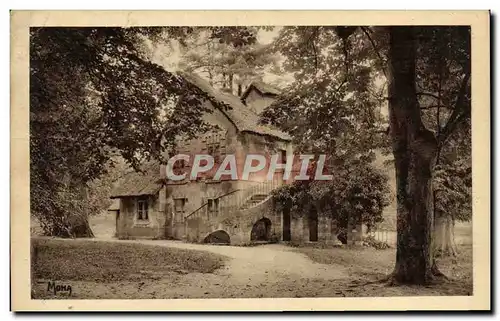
x=444, y=235
x=414, y=149
x=73, y=227
x=81, y=228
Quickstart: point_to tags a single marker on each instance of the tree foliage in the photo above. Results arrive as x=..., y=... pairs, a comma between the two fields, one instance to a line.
x=333, y=107
x=453, y=176
x=356, y=194
x=230, y=57
x=333, y=102
x=443, y=74
x=94, y=93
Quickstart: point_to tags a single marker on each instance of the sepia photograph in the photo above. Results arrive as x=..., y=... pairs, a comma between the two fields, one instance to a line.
x=254, y=161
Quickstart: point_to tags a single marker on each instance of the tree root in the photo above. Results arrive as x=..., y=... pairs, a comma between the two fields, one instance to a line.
x=435, y=277
x=391, y=280
x=437, y=274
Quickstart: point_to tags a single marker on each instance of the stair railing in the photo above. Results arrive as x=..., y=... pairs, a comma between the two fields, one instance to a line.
x=236, y=198
x=260, y=188
x=223, y=200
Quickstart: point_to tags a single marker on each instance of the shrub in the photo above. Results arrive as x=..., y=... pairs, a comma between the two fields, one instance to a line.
x=358, y=193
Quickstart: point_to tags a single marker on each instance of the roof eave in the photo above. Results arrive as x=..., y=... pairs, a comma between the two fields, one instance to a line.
x=152, y=193
x=249, y=89
x=286, y=139
x=132, y=195
x=262, y=93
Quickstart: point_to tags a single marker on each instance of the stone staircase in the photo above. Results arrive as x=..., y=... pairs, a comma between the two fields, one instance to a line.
x=254, y=200
x=238, y=211
x=241, y=199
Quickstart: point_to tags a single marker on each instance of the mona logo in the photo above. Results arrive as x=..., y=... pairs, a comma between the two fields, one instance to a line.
x=57, y=288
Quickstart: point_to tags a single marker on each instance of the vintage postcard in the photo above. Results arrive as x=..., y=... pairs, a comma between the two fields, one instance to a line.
x=272, y=160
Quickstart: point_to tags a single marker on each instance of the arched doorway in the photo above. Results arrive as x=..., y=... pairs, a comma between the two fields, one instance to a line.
x=261, y=230
x=218, y=237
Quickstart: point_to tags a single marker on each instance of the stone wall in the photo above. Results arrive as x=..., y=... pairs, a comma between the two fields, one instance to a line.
x=238, y=224
x=300, y=229
x=235, y=222
x=128, y=227
x=327, y=230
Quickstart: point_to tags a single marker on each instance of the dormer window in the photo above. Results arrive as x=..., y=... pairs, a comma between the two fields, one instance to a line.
x=259, y=95
x=215, y=145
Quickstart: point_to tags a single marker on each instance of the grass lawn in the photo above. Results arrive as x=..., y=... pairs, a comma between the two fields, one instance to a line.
x=82, y=260
x=87, y=261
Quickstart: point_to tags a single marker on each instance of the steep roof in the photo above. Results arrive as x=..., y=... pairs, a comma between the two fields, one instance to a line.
x=245, y=119
x=139, y=183
x=262, y=87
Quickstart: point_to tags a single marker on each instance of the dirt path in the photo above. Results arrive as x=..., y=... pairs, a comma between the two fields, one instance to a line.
x=263, y=263
x=260, y=271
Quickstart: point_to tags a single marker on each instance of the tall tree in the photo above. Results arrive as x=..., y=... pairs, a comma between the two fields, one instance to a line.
x=415, y=152
x=313, y=52
x=452, y=191
x=93, y=93
x=443, y=76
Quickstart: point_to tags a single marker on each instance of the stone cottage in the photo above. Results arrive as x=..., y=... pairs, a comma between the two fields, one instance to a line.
x=152, y=206
x=225, y=210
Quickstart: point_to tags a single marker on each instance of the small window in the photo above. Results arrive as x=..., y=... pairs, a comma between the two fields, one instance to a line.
x=142, y=210
x=179, y=204
x=210, y=205
x=213, y=206
x=179, y=208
